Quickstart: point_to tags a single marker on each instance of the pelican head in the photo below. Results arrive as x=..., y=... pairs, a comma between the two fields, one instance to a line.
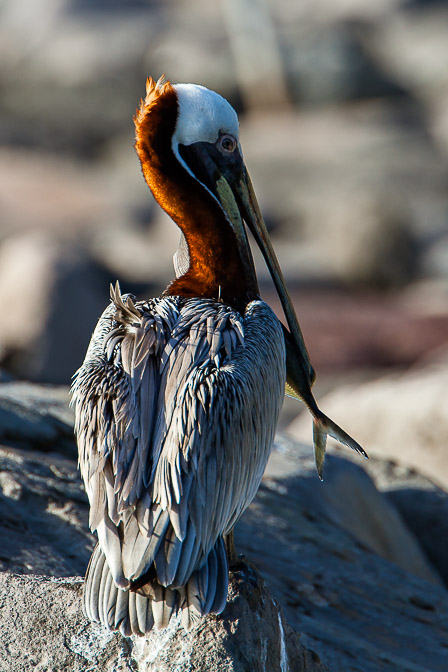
x=187, y=139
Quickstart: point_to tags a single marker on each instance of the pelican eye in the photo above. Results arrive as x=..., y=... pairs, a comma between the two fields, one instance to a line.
x=227, y=143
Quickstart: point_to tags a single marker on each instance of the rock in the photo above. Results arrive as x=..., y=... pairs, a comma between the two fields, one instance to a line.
x=424, y=509
x=421, y=504
x=55, y=193
x=38, y=634
x=44, y=511
x=439, y=124
x=36, y=415
x=412, y=45
x=425, y=512
x=328, y=63
x=44, y=514
x=74, y=63
x=324, y=179
x=250, y=634
x=53, y=295
x=44, y=629
x=349, y=499
x=398, y=417
x=372, y=243
x=5, y=376
x=358, y=611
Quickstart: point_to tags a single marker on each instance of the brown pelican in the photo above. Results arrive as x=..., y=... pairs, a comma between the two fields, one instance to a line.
x=177, y=400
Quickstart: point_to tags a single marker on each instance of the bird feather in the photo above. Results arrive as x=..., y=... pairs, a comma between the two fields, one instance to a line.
x=175, y=425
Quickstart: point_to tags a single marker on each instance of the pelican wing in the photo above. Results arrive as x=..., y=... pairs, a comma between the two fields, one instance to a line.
x=218, y=406
x=115, y=398
x=176, y=406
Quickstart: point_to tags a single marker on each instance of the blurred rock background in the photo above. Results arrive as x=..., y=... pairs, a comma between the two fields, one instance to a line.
x=344, y=128
x=343, y=107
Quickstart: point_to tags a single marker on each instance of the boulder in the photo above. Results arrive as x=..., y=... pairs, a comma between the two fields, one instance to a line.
x=421, y=504
x=348, y=499
x=347, y=189
x=53, y=294
x=43, y=629
x=357, y=610
x=36, y=416
x=424, y=508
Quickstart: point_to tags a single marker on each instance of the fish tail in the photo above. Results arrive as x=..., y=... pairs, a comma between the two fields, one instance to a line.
x=320, y=444
x=324, y=426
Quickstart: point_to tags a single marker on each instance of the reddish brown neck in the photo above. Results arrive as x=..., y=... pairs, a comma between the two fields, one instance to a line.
x=215, y=268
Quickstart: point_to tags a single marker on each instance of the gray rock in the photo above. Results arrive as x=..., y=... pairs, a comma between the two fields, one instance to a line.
x=329, y=62
x=53, y=294
x=44, y=510
x=439, y=117
x=44, y=514
x=349, y=500
x=37, y=416
x=421, y=504
x=413, y=46
x=250, y=635
x=399, y=420
x=372, y=243
x=425, y=512
x=74, y=64
x=353, y=194
x=358, y=611
x=44, y=629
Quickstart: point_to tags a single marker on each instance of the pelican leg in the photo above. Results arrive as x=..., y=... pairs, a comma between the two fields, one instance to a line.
x=232, y=556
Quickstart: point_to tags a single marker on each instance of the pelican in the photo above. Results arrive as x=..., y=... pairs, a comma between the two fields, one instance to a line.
x=177, y=400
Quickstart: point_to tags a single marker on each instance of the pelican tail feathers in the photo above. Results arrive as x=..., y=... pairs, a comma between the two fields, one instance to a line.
x=153, y=605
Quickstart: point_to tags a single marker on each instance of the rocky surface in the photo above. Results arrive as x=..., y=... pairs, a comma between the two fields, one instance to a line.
x=355, y=609
x=353, y=581
x=53, y=634
x=421, y=504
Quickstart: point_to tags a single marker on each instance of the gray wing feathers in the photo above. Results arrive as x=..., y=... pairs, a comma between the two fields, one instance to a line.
x=176, y=407
x=138, y=551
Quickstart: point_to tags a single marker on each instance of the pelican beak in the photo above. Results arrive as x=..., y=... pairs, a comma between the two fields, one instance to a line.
x=250, y=212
